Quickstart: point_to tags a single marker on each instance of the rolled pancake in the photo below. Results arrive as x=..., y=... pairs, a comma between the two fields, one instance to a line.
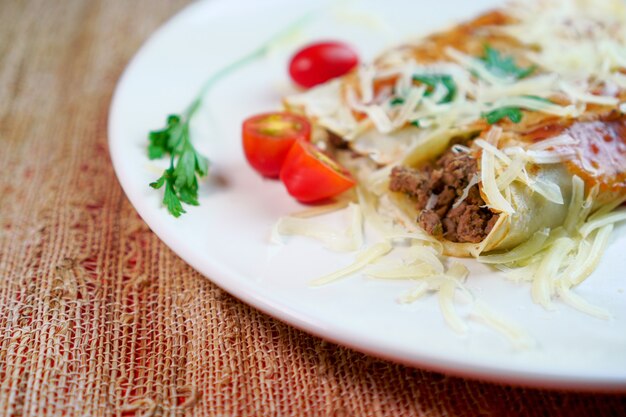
x=526, y=63
x=532, y=211
x=599, y=158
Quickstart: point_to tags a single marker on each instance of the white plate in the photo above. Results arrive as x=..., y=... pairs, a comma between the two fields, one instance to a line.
x=226, y=237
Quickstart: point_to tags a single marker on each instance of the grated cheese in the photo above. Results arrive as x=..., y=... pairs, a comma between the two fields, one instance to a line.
x=574, y=212
x=579, y=95
x=579, y=51
x=300, y=224
x=549, y=190
x=495, y=199
x=472, y=182
x=573, y=45
x=363, y=259
x=579, y=303
x=554, y=142
x=601, y=221
x=511, y=173
x=432, y=201
x=518, y=337
x=476, y=66
x=446, y=303
x=520, y=252
x=543, y=279
x=414, y=294
x=592, y=259
x=491, y=148
x=386, y=271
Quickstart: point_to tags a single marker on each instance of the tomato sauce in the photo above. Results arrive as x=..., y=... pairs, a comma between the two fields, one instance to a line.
x=600, y=153
x=544, y=131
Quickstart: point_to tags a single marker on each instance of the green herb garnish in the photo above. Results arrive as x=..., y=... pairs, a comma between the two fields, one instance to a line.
x=513, y=113
x=186, y=164
x=432, y=81
x=504, y=66
x=396, y=101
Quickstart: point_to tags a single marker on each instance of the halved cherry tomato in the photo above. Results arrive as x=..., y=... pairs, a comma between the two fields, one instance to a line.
x=311, y=176
x=268, y=137
x=320, y=62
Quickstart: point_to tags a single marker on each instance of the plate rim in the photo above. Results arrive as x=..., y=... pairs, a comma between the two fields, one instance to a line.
x=284, y=313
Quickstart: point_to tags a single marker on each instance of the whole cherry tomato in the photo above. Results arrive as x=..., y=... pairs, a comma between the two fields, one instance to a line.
x=311, y=176
x=320, y=62
x=268, y=137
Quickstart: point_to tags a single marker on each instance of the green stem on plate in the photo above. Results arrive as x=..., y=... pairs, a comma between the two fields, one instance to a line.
x=186, y=164
x=245, y=60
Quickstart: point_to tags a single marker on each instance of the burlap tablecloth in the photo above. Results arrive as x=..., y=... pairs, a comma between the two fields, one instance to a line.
x=99, y=318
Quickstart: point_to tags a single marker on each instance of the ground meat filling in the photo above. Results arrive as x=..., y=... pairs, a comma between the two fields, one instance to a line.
x=337, y=141
x=435, y=188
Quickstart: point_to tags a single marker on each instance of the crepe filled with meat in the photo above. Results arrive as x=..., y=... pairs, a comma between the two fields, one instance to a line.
x=493, y=130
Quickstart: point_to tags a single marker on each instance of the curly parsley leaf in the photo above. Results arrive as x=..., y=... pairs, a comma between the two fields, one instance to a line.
x=504, y=66
x=513, y=113
x=186, y=164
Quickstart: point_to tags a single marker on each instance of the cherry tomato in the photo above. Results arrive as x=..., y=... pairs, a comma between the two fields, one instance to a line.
x=311, y=175
x=268, y=137
x=320, y=62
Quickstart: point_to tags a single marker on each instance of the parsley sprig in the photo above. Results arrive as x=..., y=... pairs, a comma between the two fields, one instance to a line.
x=187, y=166
x=504, y=66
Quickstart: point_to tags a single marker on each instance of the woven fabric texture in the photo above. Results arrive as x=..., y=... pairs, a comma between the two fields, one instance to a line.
x=99, y=318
